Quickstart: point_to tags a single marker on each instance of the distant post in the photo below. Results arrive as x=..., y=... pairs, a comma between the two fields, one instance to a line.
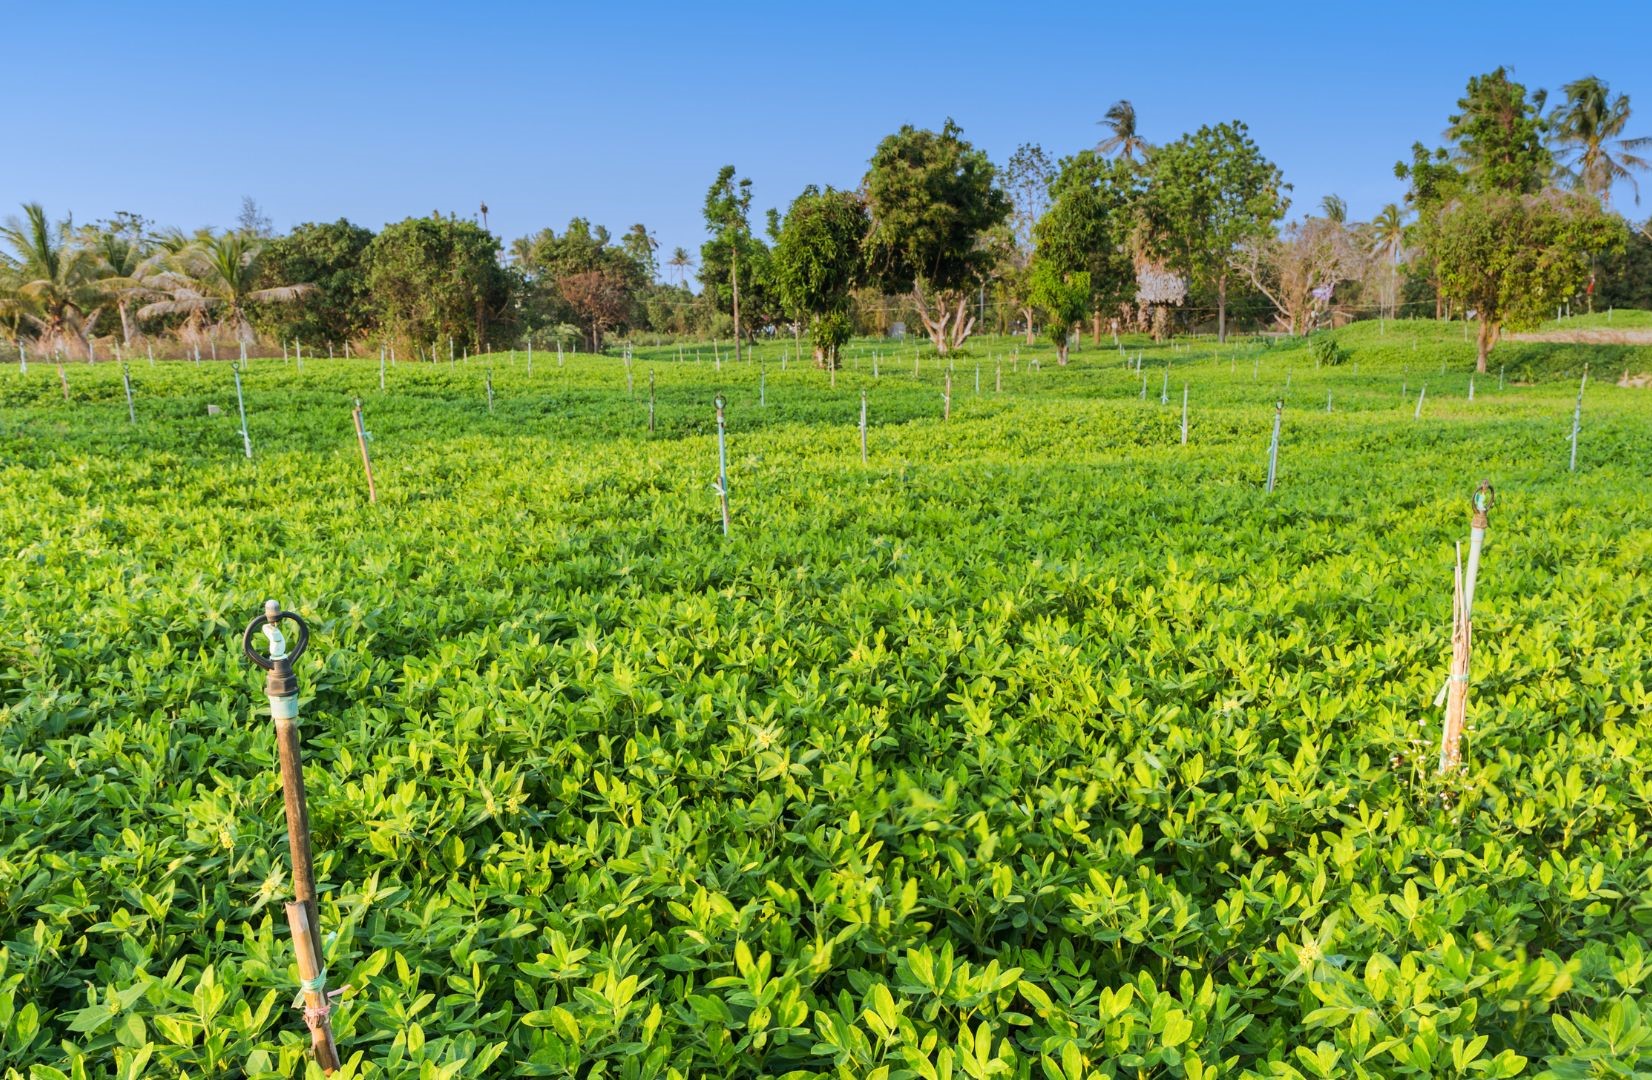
x=1273, y=445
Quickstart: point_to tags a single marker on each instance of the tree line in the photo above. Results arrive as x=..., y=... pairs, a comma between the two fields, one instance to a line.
x=1507, y=220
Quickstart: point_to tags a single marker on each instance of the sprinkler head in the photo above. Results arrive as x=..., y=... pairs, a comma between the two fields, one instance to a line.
x=1483, y=499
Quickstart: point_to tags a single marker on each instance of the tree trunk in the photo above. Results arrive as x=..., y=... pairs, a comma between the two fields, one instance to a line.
x=734, y=275
x=963, y=323
x=1221, y=309
x=1061, y=351
x=935, y=328
x=1095, y=325
x=1485, y=339
x=1027, y=313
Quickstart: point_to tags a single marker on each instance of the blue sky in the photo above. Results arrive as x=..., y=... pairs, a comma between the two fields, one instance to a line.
x=623, y=112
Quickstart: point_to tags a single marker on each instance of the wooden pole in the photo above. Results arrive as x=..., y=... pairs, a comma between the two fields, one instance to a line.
x=281, y=687
x=946, y=399
x=313, y=987
x=366, y=459
x=863, y=427
x=126, y=378
x=1273, y=445
x=1455, y=690
x=722, y=464
x=1184, y=414
x=651, y=399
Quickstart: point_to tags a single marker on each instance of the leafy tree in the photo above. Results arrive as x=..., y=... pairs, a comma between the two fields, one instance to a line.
x=55, y=285
x=817, y=262
x=932, y=198
x=1208, y=193
x=218, y=278
x=600, y=299
x=1499, y=133
x=1089, y=226
x=1510, y=258
x=1064, y=297
x=1435, y=180
x=640, y=245
x=434, y=278
x=330, y=257
x=253, y=221
x=727, y=214
x=547, y=260
x=1588, y=129
x=1027, y=180
x=1298, y=270
x=1625, y=278
x=1122, y=139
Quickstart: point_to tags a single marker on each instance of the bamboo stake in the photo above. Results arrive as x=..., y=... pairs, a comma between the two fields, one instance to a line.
x=1455, y=691
x=946, y=399
x=366, y=459
x=126, y=378
x=722, y=464
x=313, y=988
x=1184, y=414
x=651, y=400
x=241, y=405
x=1576, y=420
x=863, y=427
x=1273, y=444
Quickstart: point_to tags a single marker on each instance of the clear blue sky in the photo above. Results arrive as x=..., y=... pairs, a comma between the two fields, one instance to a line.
x=622, y=112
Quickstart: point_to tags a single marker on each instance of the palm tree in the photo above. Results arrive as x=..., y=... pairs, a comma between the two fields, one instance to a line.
x=1335, y=208
x=1388, y=241
x=54, y=283
x=215, y=276
x=680, y=262
x=1588, y=131
x=1123, y=140
x=126, y=271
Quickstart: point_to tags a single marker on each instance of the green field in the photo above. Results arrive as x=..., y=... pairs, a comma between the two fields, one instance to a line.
x=1039, y=745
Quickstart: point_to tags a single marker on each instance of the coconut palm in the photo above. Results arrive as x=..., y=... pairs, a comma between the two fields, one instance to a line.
x=1334, y=208
x=1387, y=241
x=53, y=282
x=1388, y=233
x=127, y=272
x=1588, y=132
x=215, y=277
x=1120, y=121
x=680, y=262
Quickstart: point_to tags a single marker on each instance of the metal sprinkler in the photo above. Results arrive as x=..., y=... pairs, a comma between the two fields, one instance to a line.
x=281, y=687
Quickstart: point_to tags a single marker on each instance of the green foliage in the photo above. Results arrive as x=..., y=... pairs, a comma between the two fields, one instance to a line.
x=1064, y=298
x=434, y=279
x=932, y=197
x=1511, y=258
x=1500, y=133
x=817, y=262
x=1206, y=194
x=1326, y=351
x=1090, y=221
x=1039, y=746
x=328, y=258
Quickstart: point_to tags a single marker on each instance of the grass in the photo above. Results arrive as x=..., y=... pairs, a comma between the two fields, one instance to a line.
x=1039, y=739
